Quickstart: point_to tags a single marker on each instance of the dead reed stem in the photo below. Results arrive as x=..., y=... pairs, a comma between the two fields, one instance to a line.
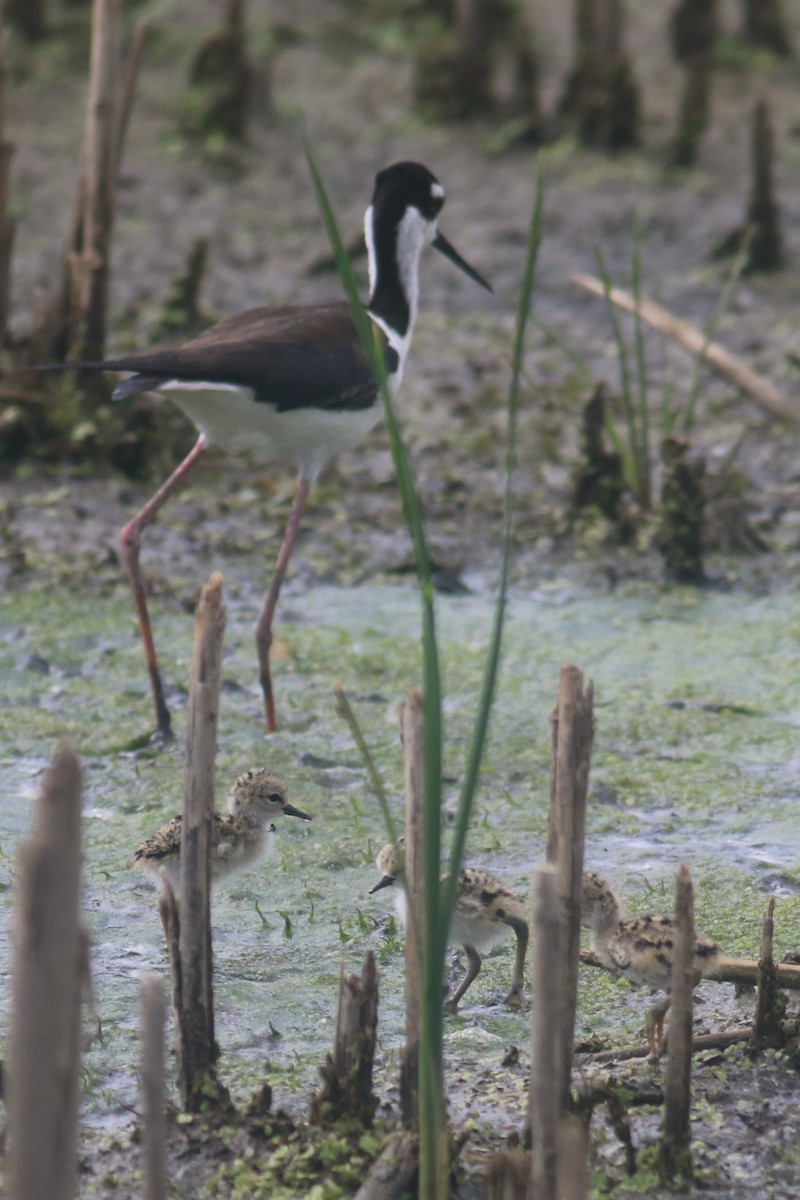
x=760, y=390
x=675, y=1154
x=411, y=734
x=75, y=321
x=171, y=923
x=769, y=1009
x=7, y=223
x=543, y=1099
x=573, y=732
x=199, y=1049
x=91, y=262
x=44, y=1044
x=154, y=1154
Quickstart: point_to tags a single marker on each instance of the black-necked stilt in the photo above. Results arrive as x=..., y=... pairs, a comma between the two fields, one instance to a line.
x=240, y=837
x=291, y=383
x=486, y=912
x=640, y=948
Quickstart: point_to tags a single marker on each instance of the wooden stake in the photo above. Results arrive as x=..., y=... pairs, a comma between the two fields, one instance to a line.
x=508, y=1176
x=171, y=924
x=199, y=1049
x=573, y=1154
x=675, y=1154
x=154, y=1155
x=769, y=1007
x=760, y=390
x=573, y=731
x=347, y=1074
x=411, y=733
x=393, y=1171
x=544, y=1100
x=90, y=267
x=47, y=979
x=7, y=223
x=83, y=283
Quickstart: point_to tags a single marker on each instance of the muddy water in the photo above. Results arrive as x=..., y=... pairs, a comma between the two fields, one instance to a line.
x=696, y=700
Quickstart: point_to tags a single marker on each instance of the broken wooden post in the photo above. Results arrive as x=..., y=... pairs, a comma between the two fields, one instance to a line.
x=770, y=1004
x=154, y=1154
x=171, y=924
x=47, y=981
x=393, y=1171
x=91, y=264
x=544, y=1100
x=674, y=1151
x=573, y=731
x=573, y=1159
x=765, y=249
x=199, y=1051
x=411, y=734
x=508, y=1176
x=347, y=1073
x=681, y=525
x=694, y=26
x=74, y=323
x=7, y=223
x=601, y=93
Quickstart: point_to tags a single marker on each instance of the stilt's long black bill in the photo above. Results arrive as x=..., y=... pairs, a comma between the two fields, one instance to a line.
x=289, y=810
x=386, y=881
x=441, y=244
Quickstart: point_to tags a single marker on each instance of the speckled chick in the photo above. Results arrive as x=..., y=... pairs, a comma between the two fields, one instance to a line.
x=639, y=948
x=239, y=838
x=485, y=912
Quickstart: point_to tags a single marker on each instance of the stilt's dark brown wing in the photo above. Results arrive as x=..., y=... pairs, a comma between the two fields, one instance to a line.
x=291, y=357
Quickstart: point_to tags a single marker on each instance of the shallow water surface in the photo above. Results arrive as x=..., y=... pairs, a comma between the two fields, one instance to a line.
x=696, y=705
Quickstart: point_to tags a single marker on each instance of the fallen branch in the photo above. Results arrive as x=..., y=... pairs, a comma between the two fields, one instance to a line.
x=730, y=970
x=760, y=390
x=705, y=1041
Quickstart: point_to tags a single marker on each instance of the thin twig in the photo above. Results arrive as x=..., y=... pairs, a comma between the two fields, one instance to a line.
x=344, y=709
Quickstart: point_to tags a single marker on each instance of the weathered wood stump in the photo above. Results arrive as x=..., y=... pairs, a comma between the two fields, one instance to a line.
x=347, y=1073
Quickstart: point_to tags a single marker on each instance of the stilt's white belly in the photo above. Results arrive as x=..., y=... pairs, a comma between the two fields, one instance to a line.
x=463, y=931
x=467, y=931
x=307, y=437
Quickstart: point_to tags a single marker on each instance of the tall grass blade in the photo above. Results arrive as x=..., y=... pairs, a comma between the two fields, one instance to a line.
x=344, y=709
x=481, y=727
x=433, y=1144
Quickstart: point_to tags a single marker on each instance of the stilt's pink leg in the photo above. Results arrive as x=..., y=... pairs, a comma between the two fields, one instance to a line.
x=131, y=540
x=264, y=626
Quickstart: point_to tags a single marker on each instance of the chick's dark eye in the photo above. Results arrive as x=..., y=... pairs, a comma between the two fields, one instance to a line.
x=275, y=797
